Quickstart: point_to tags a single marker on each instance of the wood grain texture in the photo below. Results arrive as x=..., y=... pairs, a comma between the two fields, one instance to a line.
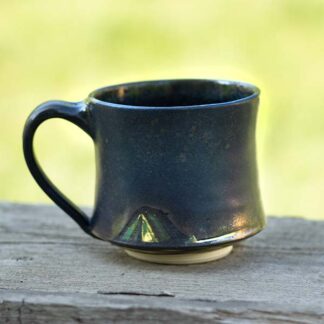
x=50, y=271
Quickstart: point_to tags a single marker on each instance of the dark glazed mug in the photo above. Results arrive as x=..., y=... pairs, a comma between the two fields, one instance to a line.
x=175, y=161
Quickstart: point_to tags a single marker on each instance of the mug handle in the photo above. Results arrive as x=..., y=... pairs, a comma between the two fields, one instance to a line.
x=75, y=112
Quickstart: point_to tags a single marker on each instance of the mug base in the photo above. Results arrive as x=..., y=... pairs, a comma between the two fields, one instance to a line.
x=181, y=258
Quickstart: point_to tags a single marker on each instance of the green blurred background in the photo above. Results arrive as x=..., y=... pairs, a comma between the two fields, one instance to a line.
x=64, y=49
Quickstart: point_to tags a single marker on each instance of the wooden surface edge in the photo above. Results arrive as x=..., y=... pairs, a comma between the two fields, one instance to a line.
x=37, y=307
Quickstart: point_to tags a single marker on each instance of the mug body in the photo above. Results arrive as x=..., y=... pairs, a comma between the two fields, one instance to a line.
x=176, y=164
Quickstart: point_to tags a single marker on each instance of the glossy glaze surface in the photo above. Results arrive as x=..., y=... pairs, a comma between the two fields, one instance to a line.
x=176, y=162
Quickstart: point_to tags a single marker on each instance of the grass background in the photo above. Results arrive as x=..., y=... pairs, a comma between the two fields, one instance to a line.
x=64, y=49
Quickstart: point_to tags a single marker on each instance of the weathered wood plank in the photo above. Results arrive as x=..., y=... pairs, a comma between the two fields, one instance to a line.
x=50, y=270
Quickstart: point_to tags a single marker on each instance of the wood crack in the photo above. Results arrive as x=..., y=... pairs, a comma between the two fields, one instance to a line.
x=136, y=293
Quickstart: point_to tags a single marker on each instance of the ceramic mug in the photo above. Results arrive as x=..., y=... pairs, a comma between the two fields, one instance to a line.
x=175, y=163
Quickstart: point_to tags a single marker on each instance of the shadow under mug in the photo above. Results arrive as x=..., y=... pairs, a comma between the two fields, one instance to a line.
x=175, y=163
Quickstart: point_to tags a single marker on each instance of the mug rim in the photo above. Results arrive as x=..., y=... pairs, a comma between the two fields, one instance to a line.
x=92, y=98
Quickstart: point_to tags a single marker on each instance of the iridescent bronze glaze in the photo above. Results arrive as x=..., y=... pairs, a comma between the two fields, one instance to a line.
x=176, y=163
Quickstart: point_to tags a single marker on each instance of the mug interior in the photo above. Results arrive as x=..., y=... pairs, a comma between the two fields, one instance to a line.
x=172, y=93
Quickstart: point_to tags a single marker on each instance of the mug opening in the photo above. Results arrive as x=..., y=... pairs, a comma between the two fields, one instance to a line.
x=175, y=93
